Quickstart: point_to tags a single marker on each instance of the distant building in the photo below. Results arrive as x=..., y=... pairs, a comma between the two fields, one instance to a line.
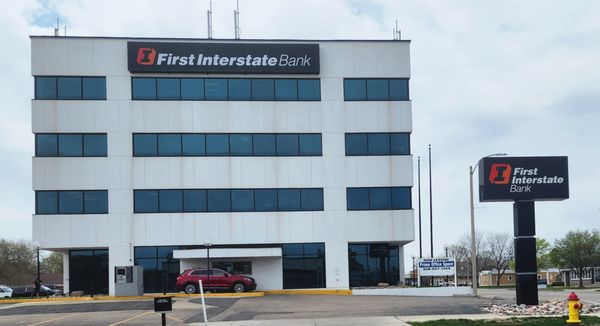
x=591, y=276
x=489, y=278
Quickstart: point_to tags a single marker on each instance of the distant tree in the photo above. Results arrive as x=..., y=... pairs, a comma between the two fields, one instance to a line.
x=52, y=263
x=577, y=251
x=17, y=262
x=499, y=252
x=542, y=249
x=461, y=250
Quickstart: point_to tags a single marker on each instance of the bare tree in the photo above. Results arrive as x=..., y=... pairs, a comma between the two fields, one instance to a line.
x=499, y=248
x=461, y=250
x=53, y=263
x=17, y=262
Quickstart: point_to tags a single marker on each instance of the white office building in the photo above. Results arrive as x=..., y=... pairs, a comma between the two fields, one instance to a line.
x=290, y=158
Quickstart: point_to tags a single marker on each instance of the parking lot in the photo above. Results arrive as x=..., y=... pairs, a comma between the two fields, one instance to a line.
x=188, y=310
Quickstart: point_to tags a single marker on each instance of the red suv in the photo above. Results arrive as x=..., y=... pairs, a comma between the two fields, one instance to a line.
x=188, y=281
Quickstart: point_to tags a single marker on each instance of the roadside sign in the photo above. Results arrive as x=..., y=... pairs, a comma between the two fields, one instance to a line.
x=443, y=266
x=162, y=304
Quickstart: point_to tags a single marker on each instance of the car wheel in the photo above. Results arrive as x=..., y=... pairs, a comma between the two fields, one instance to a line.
x=190, y=288
x=239, y=287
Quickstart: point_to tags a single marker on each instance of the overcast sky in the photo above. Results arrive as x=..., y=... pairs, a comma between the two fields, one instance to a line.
x=520, y=77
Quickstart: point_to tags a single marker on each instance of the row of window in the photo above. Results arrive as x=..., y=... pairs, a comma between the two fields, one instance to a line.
x=227, y=145
x=377, y=144
x=70, y=88
x=53, y=145
x=377, y=198
x=227, y=200
x=221, y=200
x=375, y=89
x=71, y=202
x=221, y=89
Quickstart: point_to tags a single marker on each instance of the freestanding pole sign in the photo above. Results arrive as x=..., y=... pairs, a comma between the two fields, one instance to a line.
x=524, y=180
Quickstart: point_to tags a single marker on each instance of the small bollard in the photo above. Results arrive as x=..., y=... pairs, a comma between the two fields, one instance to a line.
x=574, y=309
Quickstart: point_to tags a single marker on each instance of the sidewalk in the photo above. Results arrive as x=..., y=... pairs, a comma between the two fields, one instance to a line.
x=349, y=321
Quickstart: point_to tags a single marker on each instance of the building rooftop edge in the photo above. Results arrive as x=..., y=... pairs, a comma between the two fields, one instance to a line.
x=213, y=39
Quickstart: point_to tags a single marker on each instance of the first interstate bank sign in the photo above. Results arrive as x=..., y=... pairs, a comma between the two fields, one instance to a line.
x=524, y=178
x=224, y=58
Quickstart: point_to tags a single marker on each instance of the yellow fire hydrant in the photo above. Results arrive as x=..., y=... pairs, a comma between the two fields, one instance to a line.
x=574, y=308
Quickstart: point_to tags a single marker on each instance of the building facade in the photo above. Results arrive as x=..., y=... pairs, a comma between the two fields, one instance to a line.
x=286, y=160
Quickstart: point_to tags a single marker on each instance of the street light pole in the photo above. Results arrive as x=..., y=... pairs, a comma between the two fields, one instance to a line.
x=473, y=241
x=38, y=282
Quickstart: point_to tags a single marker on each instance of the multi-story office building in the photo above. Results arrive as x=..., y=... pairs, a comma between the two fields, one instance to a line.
x=290, y=158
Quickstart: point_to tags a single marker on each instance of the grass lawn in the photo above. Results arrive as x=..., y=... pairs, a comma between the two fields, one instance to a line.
x=531, y=321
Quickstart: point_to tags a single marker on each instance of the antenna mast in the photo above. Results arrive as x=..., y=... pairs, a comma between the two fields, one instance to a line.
x=236, y=20
x=209, y=20
x=397, y=32
x=57, y=28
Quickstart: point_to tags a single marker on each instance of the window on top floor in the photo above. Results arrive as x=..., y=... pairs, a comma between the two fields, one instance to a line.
x=70, y=88
x=376, y=89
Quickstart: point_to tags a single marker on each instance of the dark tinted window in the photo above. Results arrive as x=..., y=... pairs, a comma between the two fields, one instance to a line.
x=287, y=145
x=45, y=88
x=286, y=89
x=70, y=202
x=377, y=90
x=192, y=89
x=303, y=265
x=215, y=89
x=399, y=89
x=241, y=144
x=310, y=144
x=193, y=145
x=242, y=200
x=288, y=199
x=70, y=145
x=355, y=89
x=95, y=202
x=167, y=88
x=379, y=144
x=219, y=200
x=170, y=201
x=69, y=88
x=239, y=89
x=357, y=198
x=46, y=145
x=169, y=144
x=400, y=144
x=401, y=198
x=263, y=89
x=312, y=199
x=94, y=88
x=145, y=201
x=380, y=198
x=217, y=144
x=145, y=252
x=356, y=144
x=144, y=144
x=94, y=145
x=194, y=200
x=265, y=200
x=143, y=88
x=46, y=202
x=309, y=89
x=264, y=145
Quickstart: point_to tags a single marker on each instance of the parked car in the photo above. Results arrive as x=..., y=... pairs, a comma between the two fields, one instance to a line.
x=188, y=281
x=5, y=291
x=28, y=291
x=57, y=289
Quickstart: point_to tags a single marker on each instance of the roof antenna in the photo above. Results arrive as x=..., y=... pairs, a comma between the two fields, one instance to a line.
x=397, y=32
x=56, y=29
x=209, y=20
x=236, y=20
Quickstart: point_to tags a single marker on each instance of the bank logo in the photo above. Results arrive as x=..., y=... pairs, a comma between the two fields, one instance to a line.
x=500, y=173
x=146, y=56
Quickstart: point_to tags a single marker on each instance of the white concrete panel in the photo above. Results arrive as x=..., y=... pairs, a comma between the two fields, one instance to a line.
x=254, y=227
x=334, y=199
x=105, y=229
x=120, y=201
x=83, y=230
x=268, y=273
x=301, y=227
x=299, y=173
x=156, y=172
x=332, y=89
x=119, y=144
x=324, y=226
x=106, y=116
x=336, y=264
x=117, y=256
x=118, y=88
x=181, y=228
x=337, y=59
x=158, y=228
x=80, y=55
x=207, y=228
x=139, y=230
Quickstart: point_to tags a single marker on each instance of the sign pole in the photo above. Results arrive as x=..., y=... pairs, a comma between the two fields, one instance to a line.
x=455, y=273
x=419, y=273
x=163, y=318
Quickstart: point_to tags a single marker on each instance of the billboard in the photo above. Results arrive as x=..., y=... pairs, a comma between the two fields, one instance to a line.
x=437, y=266
x=523, y=178
x=223, y=58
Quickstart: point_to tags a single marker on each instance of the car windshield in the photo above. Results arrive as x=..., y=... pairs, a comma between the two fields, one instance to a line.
x=44, y=287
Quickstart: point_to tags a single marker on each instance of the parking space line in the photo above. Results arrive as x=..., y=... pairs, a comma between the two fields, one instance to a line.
x=132, y=318
x=175, y=319
x=51, y=320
